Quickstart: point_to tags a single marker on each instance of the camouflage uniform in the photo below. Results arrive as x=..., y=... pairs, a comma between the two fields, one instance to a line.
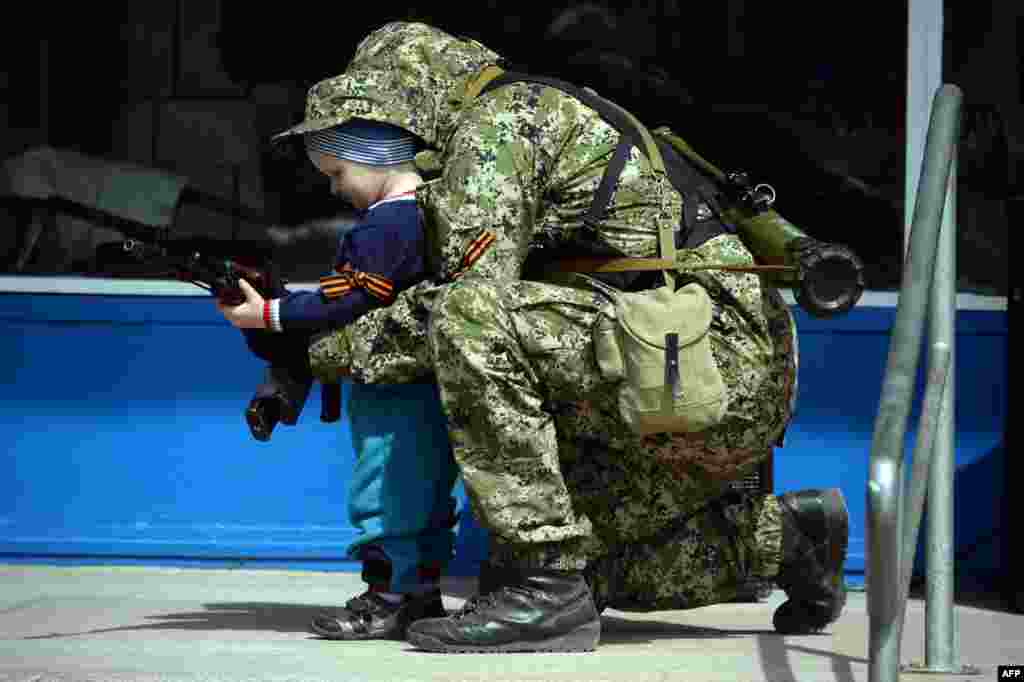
x=549, y=467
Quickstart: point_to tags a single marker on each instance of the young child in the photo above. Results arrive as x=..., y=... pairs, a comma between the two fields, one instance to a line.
x=399, y=494
x=369, y=165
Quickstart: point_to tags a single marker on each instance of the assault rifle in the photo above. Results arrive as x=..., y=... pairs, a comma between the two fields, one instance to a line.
x=211, y=264
x=217, y=266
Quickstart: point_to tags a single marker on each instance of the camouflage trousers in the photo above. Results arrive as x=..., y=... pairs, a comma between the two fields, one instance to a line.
x=558, y=480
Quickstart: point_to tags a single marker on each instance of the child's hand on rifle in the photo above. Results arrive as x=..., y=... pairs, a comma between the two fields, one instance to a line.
x=248, y=315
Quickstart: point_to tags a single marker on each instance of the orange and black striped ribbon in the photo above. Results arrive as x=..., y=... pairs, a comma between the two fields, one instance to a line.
x=342, y=284
x=476, y=249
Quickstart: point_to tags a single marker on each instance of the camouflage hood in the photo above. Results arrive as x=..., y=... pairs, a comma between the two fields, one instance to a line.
x=410, y=75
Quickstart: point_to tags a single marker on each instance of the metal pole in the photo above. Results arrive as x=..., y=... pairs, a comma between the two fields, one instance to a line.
x=939, y=628
x=924, y=76
x=941, y=654
x=912, y=509
x=940, y=360
x=897, y=390
x=925, y=23
x=883, y=571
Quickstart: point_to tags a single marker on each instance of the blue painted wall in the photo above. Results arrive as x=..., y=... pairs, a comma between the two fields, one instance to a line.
x=842, y=366
x=123, y=437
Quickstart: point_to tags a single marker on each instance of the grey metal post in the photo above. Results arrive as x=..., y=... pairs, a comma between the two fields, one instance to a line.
x=934, y=463
x=940, y=654
x=884, y=482
x=911, y=511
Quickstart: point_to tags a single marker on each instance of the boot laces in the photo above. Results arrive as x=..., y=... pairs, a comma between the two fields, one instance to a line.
x=487, y=601
x=476, y=603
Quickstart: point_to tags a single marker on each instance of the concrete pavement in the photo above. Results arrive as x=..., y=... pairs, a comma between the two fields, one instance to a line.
x=148, y=624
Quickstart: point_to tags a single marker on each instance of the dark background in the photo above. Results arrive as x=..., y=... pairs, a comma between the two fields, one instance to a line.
x=809, y=98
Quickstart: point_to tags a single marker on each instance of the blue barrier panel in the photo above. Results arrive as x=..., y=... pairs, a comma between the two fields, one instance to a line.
x=842, y=363
x=124, y=437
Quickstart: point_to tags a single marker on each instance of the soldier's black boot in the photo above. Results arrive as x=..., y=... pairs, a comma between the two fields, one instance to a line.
x=493, y=577
x=533, y=610
x=815, y=527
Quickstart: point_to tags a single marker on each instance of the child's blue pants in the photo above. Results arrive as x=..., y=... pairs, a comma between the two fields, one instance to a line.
x=400, y=495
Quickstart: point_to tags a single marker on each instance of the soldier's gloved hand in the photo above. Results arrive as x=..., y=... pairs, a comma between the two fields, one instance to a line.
x=830, y=276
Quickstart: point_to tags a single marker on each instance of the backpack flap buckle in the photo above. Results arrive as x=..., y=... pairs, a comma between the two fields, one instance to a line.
x=671, y=374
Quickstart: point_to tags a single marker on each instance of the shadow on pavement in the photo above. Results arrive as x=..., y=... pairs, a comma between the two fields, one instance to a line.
x=774, y=651
x=261, y=616
x=622, y=631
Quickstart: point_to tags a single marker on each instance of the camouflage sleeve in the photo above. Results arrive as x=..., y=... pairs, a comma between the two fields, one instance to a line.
x=384, y=346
